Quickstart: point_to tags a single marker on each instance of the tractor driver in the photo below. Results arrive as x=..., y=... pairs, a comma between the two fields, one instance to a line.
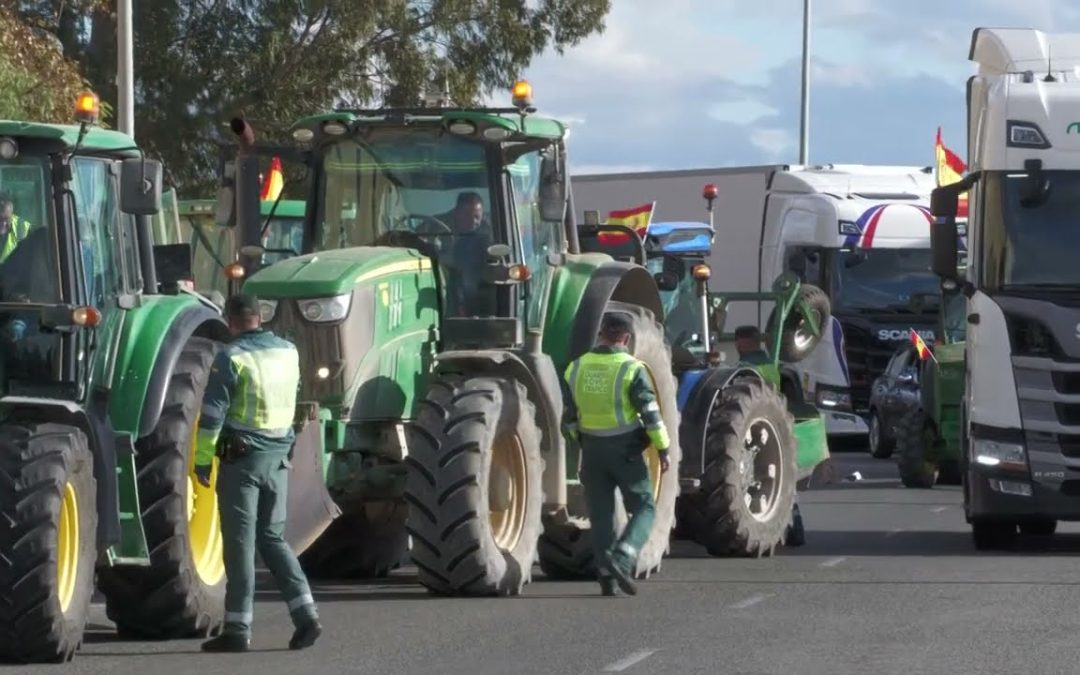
x=467, y=253
x=12, y=229
x=748, y=344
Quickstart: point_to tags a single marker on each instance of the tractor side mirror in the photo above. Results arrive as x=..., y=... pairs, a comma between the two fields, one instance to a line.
x=552, y=191
x=140, y=186
x=666, y=281
x=173, y=264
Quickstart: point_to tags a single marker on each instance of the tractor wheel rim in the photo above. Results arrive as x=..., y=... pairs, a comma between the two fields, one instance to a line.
x=204, y=521
x=803, y=336
x=508, y=487
x=67, y=549
x=765, y=475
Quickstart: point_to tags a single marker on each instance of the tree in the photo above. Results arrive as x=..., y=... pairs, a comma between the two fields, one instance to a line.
x=200, y=62
x=36, y=82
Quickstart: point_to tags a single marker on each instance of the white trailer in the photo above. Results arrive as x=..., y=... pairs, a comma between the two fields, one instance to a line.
x=1020, y=428
x=862, y=233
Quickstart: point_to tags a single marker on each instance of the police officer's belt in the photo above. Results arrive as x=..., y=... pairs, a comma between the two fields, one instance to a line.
x=231, y=447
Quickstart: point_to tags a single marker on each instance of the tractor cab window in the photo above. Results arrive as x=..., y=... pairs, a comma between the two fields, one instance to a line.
x=418, y=188
x=682, y=307
x=101, y=232
x=539, y=238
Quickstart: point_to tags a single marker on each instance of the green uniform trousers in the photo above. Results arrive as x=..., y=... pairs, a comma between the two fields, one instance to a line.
x=252, y=493
x=617, y=462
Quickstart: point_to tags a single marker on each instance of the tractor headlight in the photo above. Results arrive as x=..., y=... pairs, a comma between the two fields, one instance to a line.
x=267, y=310
x=322, y=310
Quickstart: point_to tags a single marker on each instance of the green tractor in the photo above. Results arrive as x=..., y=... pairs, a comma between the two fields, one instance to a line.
x=439, y=297
x=103, y=362
x=748, y=438
x=928, y=435
x=214, y=247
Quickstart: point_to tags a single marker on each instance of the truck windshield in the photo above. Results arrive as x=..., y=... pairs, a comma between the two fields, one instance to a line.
x=894, y=279
x=417, y=187
x=1035, y=245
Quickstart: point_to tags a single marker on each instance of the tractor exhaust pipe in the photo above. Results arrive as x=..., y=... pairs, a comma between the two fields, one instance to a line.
x=245, y=134
x=248, y=212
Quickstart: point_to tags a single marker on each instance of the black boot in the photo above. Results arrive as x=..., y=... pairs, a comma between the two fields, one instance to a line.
x=305, y=634
x=607, y=586
x=624, y=574
x=227, y=642
x=796, y=535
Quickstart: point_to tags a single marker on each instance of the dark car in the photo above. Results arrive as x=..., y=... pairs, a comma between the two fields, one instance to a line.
x=893, y=393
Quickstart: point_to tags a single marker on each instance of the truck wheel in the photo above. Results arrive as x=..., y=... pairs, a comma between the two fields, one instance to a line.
x=359, y=546
x=796, y=340
x=914, y=434
x=566, y=550
x=474, y=487
x=989, y=535
x=48, y=535
x=182, y=592
x=745, y=502
x=881, y=446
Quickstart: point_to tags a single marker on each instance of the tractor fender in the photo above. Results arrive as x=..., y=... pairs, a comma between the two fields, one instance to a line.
x=612, y=281
x=537, y=372
x=194, y=320
x=702, y=389
x=94, y=422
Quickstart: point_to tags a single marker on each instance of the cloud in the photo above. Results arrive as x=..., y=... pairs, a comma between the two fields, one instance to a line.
x=705, y=83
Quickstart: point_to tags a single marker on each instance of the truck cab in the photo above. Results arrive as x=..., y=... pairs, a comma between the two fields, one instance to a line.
x=1021, y=415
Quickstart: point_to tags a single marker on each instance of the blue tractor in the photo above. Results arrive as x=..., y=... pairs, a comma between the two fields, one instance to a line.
x=747, y=436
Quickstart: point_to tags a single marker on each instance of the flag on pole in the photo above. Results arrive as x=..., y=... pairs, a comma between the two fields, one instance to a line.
x=637, y=219
x=920, y=347
x=950, y=169
x=274, y=182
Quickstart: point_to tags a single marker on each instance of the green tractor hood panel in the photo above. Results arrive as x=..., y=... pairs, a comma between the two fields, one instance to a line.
x=330, y=273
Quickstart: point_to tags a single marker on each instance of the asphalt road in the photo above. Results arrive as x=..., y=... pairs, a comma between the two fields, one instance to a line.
x=888, y=582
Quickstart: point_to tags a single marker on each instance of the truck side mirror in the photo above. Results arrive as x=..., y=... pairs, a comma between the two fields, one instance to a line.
x=140, y=186
x=944, y=204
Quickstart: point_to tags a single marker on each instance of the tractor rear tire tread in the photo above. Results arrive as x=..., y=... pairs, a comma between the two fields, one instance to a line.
x=36, y=462
x=168, y=600
x=915, y=471
x=717, y=512
x=455, y=551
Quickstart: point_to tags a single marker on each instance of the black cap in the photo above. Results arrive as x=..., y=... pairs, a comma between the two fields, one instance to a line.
x=616, y=324
x=242, y=306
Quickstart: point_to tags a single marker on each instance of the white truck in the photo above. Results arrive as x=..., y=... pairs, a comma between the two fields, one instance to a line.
x=1020, y=417
x=862, y=233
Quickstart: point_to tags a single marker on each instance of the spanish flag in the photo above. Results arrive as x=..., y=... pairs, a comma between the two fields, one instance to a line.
x=274, y=182
x=920, y=346
x=637, y=219
x=950, y=169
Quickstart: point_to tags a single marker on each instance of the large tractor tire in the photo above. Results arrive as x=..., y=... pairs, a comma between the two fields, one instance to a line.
x=744, y=504
x=361, y=544
x=914, y=434
x=566, y=549
x=182, y=592
x=48, y=537
x=796, y=340
x=474, y=487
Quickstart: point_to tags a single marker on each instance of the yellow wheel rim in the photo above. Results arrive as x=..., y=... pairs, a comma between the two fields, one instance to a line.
x=204, y=521
x=508, y=491
x=67, y=548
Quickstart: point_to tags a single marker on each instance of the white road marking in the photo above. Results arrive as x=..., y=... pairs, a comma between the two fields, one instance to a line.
x=833, y=562
x=939, y=509
x=636, y=657
x=749, y=602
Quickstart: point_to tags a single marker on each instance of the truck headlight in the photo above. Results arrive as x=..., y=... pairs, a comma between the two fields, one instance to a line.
x=834, y=399
x=322, y=310
x=267, y=310
x=999, y=454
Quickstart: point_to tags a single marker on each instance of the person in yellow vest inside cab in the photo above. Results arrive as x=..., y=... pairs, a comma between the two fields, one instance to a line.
x=12, y=228
x=611, y=411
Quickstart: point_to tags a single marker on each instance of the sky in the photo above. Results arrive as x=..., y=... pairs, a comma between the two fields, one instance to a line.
x=680, y=84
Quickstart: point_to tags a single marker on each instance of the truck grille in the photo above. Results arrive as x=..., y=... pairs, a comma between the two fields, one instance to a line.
x=1048, y=391
x=867, y=358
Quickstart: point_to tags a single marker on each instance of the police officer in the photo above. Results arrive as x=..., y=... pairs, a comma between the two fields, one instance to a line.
x=611, y=411
x=246, y=419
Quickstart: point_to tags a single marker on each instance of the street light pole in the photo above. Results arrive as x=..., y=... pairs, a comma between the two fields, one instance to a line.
x=125, y=71
x=804, y=122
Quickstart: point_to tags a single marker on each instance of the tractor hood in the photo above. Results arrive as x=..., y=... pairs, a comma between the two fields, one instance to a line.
x=330, y=273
